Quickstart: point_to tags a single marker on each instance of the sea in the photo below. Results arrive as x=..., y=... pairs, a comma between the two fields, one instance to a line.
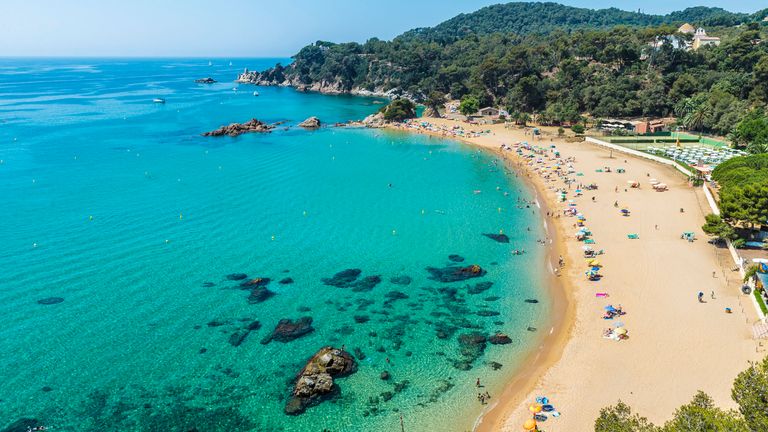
x=125, y=236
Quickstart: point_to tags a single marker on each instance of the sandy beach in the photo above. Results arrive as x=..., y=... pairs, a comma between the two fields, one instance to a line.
x=676, y=344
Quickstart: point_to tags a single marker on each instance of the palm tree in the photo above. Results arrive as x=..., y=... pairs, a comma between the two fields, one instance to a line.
x=694, y=120
x=757, y=147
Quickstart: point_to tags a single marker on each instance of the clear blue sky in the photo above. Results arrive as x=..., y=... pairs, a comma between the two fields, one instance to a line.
x=223, y=28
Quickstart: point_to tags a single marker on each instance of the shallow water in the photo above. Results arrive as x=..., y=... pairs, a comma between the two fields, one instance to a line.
x=121, y=208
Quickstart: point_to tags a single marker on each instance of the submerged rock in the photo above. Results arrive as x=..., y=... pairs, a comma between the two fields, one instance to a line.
x=315, y=383
x=286, y=281
x=343, y=279
x=310, y=123
x=362, y=319
x=531, y=301
x=236, y=129
x=260, y=294
x=480, y=287
x=208, y=284
x=236, y=276
x=237, y=338
x=255, y=283
x=384, y=376
x=495, y=365
x=487, y=313
x=401, y=280
x=500, y=339
x=471, y=346
x=22, y=425
x=501, y=238
x=288, y=330
x=50, y=300
x=456, y=258
x=455, y=274
x=492, y=298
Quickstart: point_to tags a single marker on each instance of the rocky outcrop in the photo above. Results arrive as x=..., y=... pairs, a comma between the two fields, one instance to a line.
x=208, y=80
x=315, y=383
x=310, y=123
x=501, y=238
x=455, y=274
x=288, y=330
x=500, y=339
x=50, y=300
x=375, y=121
x=236, y=129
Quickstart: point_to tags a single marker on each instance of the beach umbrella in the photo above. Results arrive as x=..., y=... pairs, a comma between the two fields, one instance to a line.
x=535, y=408
x=529, y=425
x=621, y=331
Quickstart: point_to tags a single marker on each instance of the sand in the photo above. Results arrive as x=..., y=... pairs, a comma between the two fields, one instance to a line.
x=677, y=345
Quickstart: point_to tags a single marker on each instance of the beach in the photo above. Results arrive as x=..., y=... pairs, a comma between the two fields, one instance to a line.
x=676, y=345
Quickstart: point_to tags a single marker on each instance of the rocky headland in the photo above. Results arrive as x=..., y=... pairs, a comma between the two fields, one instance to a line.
x=236, y=129
x=315, y=383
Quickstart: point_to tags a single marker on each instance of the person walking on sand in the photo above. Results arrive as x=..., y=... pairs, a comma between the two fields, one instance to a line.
x=701, y=297
x=477, y=384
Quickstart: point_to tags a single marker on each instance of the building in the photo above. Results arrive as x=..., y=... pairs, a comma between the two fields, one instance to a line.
x=649, y=127
x=700, y=39
x=488, y=112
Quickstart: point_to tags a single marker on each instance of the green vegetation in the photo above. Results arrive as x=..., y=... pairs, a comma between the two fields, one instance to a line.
x=554, y=64
x=469, y=105
x=760, y=301
x=718, y=228
x=749, y=392
x=399, y=110
x=744, y=190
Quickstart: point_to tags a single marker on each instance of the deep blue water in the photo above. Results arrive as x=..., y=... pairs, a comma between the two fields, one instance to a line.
x=118, y=206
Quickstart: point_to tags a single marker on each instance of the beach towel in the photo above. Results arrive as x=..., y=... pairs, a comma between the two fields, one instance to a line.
x=633, y=236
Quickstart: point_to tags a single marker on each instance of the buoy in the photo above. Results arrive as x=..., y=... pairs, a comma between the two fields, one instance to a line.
x=394, y=232
x=499, y=209
x=273, y=238
x=333, y=158
x=167, y=241
x=501, y=231
x=34, y=245
x=90, y=217
x=305, y=213
x=181, y=216
x=422, y=211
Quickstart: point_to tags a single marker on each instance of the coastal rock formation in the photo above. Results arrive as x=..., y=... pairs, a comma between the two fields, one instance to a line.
x=22, y=425
x=236, y=276
x=208, y=80
x=500, y=339
x=501, y=238
x=236, y=129
x=375, y=121
x=349, y=279
x=237, y=338
x=50, y=300
x=310, y=123
x=471, y=345
x=260, y=294
x=288, y=330
x=255, y=283
x=455, y=274
x=315, y=383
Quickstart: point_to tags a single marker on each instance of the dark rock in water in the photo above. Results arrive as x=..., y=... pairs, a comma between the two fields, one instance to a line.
x=253, y=326
x=310, y=123
x=343, y=279
x=386, y=396
x=400, y=386
x=360, y=354
x=203, y=350
x=456, y=258
x=532, y=329
x=50, y=300
x=236, y=129
x=501, y=238
x=260, y=294
x=462, y=365
x=394, y=296
x=487, y=313
x=532, y=301
x=217, y=323
x=47, y=389
x=288, y=330
x=500, y=339
x=237, y=338
x=208, y=80
x=366, y=284
x=455, y=274
x=315, y=383
x=401, y=280
x=208, y=284
x=495, y=365
x=21, y=425
x=303, y=309
x=256, y=283
x=498, y=323
x=236, y=276
x=385, y=376
x=286, y=281
x=472, y=345
x=362, y=319
x=480, y=287
x=492, y=298
x=408, y=353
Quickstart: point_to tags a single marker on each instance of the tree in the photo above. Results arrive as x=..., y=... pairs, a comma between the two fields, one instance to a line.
x=752, y=131
x=399, y=110
x=435, y=101
x=717, y=228
x=469, y=105
x=619, y=418
x=578, y=129
x=745, y=205
x=750, y=391
x=701, y=414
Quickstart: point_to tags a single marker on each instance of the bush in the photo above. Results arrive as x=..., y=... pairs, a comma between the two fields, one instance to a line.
x=578, y=129
x=399, y=110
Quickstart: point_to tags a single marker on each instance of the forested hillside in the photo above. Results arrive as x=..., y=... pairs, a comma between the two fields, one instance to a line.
x=559, y=62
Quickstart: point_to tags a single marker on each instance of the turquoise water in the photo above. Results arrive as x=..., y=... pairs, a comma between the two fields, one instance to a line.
x=119, y=207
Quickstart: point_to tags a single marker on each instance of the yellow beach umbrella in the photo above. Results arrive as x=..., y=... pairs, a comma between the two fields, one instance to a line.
x=535, y=408
x=529, y=425
x=621, y=331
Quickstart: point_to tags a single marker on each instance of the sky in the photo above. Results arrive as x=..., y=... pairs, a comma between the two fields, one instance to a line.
x=240, y=28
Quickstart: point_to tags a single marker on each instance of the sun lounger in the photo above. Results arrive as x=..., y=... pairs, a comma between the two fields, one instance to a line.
x=633, y=236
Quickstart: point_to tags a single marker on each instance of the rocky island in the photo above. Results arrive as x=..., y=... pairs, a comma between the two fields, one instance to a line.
x=315, y=384
x=311, y=123
x=236, y=129
x=208, y=80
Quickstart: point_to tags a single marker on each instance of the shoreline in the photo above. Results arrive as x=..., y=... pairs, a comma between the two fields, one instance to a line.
x=655, y=279
x=550, y=344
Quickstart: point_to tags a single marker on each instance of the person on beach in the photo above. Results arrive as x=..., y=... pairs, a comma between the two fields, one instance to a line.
x=477, y=384
x=701, y=297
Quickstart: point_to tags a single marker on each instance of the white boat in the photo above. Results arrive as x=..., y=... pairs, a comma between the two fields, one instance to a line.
x=255, y=93
x=158, y=100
